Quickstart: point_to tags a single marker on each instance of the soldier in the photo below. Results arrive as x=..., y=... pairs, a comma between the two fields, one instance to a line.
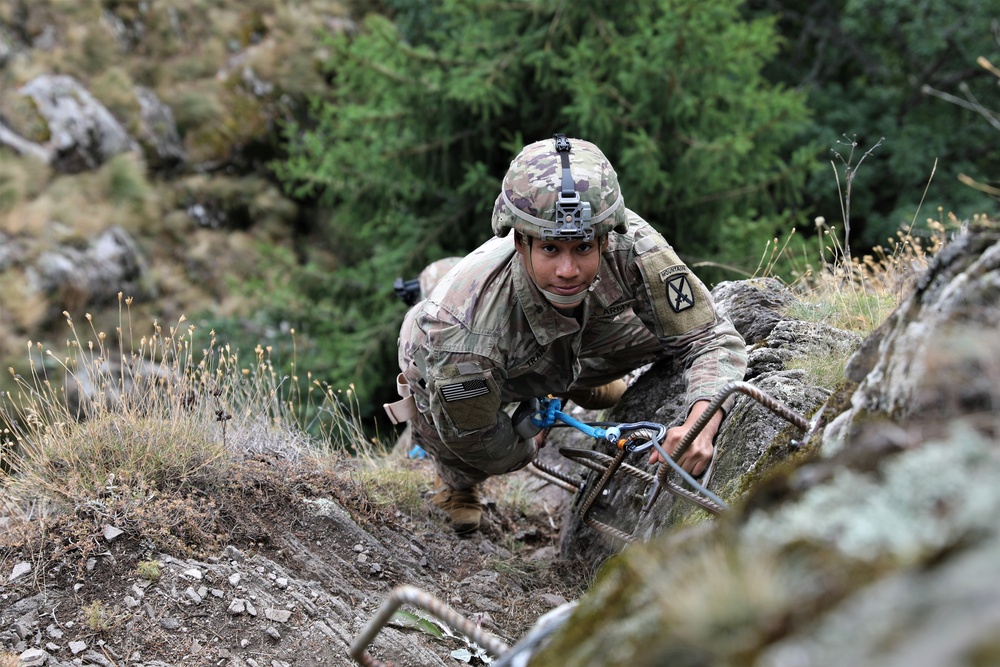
x=583, y=292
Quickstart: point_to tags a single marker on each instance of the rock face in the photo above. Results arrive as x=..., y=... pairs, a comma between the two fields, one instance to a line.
x=877, y=546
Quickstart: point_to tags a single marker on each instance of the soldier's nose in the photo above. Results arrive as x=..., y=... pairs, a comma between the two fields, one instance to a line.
x=567, y=268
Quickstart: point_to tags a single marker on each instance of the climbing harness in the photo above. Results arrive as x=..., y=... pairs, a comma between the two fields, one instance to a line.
x=630, y=438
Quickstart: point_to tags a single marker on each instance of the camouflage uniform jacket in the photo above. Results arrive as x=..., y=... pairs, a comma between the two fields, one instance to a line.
x=486, y=337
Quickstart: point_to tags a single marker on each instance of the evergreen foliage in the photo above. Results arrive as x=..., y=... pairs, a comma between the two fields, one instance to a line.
x=424, y=113
x=868, y=68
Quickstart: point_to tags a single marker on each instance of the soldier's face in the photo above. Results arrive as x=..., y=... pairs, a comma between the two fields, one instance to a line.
x=566, y=268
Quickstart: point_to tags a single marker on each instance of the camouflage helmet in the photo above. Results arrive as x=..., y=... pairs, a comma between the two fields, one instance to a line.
x=538, y=185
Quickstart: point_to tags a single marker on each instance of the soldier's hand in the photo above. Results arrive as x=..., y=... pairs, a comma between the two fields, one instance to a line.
x=695, y=459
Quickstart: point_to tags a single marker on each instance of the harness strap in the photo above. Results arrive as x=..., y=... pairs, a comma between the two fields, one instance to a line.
x=404, y=409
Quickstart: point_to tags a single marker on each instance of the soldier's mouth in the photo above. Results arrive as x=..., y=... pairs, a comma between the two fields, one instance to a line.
x=568, y=291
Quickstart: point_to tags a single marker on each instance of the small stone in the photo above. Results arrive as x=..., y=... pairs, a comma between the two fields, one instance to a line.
x=22, y=629
x=232, y=553
x=277, y=615
x=359, y=548
x=362, y=558
x=251, y=609
x=111, y=532
x=553, y=600
x=193, y=573
x=202, y=591
x=33, y=657
x=131, y=602
x=216, y=592
x=192, y=594
x=77, y=647
x=76, y=587
x=19, y=570
x=97, y=659
x=234, y=579
x=52, y=647
x=91, y=564
x=237, y=607
x=169, y=623
x=272, y=632
x=244, y=643
x=281, y=582
x=376, y=568
x=53, y=631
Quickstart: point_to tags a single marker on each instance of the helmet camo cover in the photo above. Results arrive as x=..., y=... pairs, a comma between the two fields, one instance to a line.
x=530, y=194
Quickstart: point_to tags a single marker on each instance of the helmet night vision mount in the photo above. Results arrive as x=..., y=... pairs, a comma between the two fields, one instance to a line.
x=572, y=213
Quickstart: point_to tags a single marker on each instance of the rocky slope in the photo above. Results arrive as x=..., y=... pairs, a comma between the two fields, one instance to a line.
x=296, y=590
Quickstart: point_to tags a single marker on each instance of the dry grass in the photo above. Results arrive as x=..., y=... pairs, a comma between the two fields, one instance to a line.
x=851, y=293
x=158, y=433
x=858, y=294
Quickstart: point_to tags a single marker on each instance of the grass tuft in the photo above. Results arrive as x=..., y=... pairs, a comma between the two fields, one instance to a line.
x=149, y=431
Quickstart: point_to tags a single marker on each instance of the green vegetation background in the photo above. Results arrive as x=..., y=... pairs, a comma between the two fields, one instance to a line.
x=380, y=147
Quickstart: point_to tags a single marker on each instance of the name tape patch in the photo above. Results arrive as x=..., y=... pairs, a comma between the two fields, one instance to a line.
x=461, y=391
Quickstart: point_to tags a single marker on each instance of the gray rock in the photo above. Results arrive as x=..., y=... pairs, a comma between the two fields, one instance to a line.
x=96, y=658
x=277, y=615
x=753, y=306
x=111, y=533
x=158, y=134
x=83, y=133
x=33, y=657
x=19, y=570
x=170, y=623
x=95, y=275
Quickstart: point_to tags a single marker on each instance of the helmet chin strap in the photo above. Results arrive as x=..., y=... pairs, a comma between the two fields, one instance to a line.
x=551, y=297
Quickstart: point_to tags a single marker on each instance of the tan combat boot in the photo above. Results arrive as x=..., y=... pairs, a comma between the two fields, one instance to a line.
x=598, y=398
x=462, y=505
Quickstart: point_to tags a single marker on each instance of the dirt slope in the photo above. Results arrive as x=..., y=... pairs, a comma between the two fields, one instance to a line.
x=310, y=558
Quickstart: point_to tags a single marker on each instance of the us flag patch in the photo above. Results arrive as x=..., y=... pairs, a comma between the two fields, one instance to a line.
x=460, y=391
